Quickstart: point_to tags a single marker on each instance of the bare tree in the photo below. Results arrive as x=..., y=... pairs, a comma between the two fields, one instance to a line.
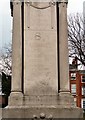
x=6, y=60
x=76, y=37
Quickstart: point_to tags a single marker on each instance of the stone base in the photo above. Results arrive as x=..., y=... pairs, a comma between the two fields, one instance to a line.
x=42, y=112
x=57, y=100
x=49, y=106
x=49, y=100
x=16, y=99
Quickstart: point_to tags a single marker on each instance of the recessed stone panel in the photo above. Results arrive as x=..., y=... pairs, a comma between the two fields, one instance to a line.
x=40, y=52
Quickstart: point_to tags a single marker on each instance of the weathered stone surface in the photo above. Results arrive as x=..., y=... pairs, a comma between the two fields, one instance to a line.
x=40, y=69
x=17, y=48
x=30, y=112
x=15, y=99
x=40, y=65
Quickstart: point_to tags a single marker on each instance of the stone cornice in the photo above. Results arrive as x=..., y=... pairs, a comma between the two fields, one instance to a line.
x=14, y=2
x=61, y=1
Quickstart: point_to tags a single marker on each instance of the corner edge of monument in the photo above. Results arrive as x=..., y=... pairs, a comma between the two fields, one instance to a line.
x=11, y=7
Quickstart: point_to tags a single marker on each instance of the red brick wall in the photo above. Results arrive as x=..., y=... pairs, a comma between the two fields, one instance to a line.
x=79, y=85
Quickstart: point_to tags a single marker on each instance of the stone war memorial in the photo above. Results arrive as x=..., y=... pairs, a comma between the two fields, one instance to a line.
x=40, y=67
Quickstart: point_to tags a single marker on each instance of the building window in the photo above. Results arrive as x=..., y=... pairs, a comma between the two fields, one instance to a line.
x=74, y=99
x=73, y=76
x=73, y=89
x=83, y=90
x=83, y=78
x=83, y=103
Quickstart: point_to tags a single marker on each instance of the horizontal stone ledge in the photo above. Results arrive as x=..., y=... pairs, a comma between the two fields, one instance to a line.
x=31, y=112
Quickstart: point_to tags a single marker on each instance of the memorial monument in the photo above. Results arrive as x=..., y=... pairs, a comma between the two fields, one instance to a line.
x=40, y=68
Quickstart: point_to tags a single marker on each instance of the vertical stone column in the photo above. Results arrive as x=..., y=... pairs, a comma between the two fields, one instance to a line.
x=63, y=47
x=16, y=92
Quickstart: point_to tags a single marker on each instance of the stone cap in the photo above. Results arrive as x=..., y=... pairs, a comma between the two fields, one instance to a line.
x=38, y=0
x=11, y=5
x=66, y=1
x=11, y=2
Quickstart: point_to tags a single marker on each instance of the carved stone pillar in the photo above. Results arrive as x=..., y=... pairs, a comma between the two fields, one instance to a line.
x=63, y=47
x=16, y=92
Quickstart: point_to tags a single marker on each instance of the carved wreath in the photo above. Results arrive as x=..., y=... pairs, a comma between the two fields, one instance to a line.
x=33, y=4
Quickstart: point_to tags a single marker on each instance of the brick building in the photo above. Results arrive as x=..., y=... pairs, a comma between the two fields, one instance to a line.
x=77, y=84
x=5, y=81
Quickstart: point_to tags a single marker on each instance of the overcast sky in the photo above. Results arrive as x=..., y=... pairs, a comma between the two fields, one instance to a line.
x=5, y=18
